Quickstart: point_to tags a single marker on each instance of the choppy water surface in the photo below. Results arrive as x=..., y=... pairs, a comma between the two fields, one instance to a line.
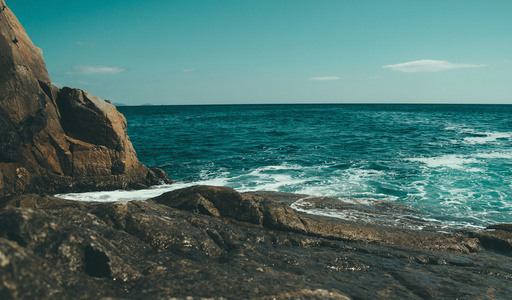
x=452, y=163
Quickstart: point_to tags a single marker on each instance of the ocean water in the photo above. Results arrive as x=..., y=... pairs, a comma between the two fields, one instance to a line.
x=451, y=163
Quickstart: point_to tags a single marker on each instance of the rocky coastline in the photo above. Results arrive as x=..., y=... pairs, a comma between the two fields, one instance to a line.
x=201, y=242
x=213, y=242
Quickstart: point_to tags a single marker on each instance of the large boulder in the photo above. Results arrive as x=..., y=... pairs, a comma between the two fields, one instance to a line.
x=57, y=140
x=226, y=202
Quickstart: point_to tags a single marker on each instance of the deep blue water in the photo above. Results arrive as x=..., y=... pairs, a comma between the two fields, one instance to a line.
x=453, y=163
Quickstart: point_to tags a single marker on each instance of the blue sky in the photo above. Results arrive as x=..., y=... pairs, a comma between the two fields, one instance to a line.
x=276, y=51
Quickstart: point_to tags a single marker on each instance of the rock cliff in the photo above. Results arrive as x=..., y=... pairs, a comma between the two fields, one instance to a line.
x=55, y=140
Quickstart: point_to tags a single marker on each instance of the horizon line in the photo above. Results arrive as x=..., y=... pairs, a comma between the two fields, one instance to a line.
x=116, y=104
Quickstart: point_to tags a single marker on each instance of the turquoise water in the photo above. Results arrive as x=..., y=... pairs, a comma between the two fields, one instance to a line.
x=452, y=163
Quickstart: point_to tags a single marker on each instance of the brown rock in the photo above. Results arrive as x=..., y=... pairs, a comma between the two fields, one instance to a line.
x=215, y=201
x=38, y=202
x=226, y=202
x=158, y=176
x=57, y=140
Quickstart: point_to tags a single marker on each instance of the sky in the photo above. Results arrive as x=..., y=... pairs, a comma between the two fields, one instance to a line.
x=276, y=51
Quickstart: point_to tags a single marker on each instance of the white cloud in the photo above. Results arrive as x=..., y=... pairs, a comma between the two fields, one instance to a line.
x=84, y=82
x=325, y=78
x=189, y=70
x=429, y=65
x=91, y=70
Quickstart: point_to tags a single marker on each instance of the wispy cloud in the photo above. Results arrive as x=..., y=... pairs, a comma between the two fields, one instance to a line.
x=91, y=70
x=325, y=78
x=189, y=70
x=84, y=82
x=429, y=65
x=86, y=44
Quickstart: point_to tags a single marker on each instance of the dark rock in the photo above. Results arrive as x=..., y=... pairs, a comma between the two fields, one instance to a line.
x=36, y=201
x=23, y=275
x=496, y=237
x=54, y=140
x=10, y=140
x=96, y=263
x=157, y=176
x=141, y=249
x=90, y=119
x=57, y=249
x=504, y=227
x=158, y=227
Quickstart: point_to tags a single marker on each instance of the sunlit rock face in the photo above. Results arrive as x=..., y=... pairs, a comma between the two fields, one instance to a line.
x=53, y=139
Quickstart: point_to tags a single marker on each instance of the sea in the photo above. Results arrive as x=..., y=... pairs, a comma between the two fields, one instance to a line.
x=452, y=164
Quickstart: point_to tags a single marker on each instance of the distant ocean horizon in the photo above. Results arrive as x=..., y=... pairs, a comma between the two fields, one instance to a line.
x=120, y=104
x=449, y=162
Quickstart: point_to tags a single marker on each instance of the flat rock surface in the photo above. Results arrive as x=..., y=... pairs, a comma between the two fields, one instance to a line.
x=57, y=249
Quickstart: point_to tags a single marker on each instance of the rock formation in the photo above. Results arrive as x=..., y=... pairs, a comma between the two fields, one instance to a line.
x=55, y=140
x=221, y=244
x=191, y=243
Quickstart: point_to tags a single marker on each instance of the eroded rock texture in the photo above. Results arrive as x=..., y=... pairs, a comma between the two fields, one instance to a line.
x=52, y=248
x=54, y=140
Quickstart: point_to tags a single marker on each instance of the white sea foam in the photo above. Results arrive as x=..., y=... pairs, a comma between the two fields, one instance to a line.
x=418, y=221
x=121, y=195
x=452, y=161
x=487, y=137
x=303, y=205
x=284, y=166
x=355, y=185
x=111, y=196
x=494, y=155
x=269, y=178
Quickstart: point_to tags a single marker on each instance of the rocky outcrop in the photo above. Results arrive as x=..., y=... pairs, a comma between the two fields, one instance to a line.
x=55, y=140
x=226, y=202
x=263, y=210
x=496, y=237
x=52, y=248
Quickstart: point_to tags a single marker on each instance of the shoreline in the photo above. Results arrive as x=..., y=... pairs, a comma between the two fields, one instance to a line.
x=365, y=210
x=206, y=241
